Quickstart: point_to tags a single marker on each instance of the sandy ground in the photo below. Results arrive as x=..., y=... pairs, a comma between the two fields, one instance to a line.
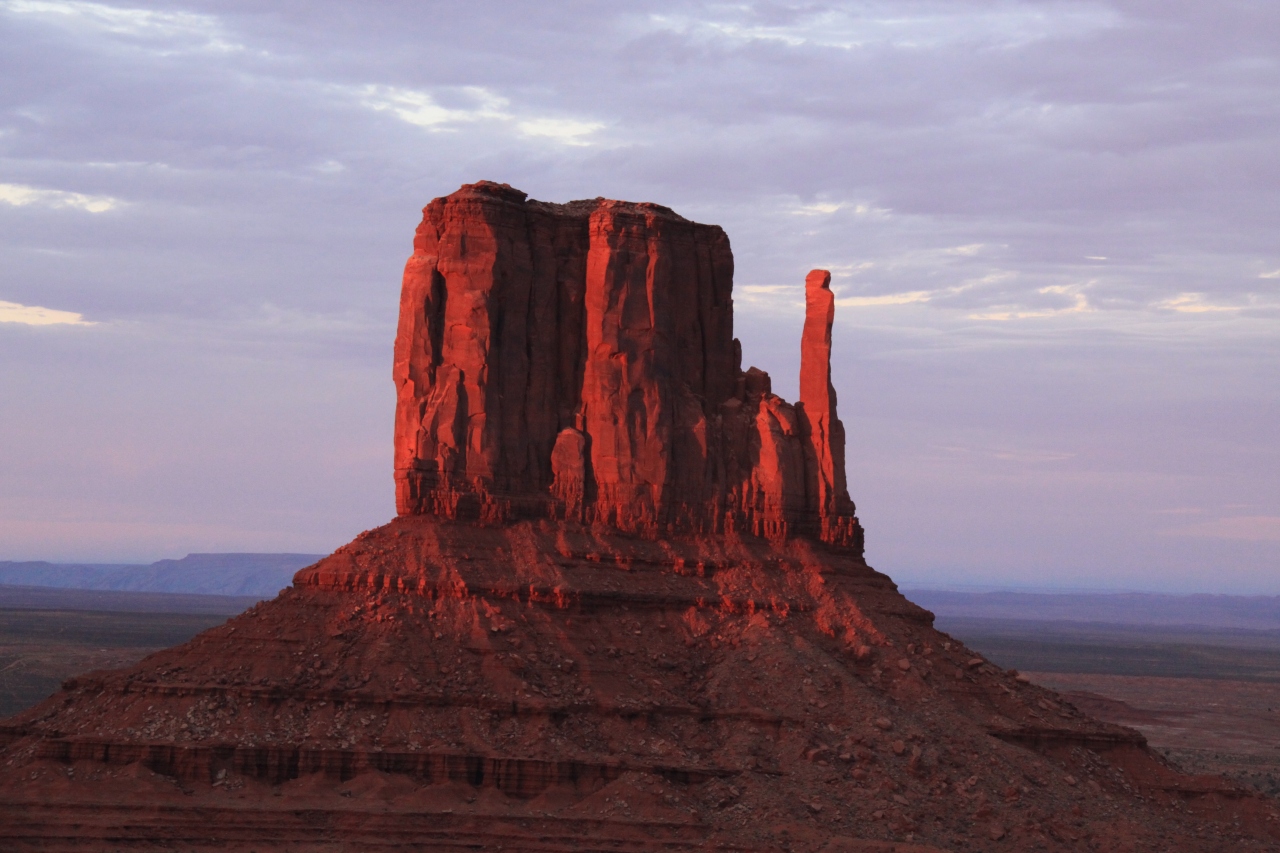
x=1202, y=725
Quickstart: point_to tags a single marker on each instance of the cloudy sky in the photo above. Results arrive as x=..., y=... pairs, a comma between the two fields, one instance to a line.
x=1053, y=228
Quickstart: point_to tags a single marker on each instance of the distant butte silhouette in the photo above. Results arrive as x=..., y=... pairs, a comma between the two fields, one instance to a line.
x=624, y=607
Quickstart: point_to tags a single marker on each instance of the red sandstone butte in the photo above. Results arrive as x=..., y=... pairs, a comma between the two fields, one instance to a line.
x=577, y=361
x=624, y=608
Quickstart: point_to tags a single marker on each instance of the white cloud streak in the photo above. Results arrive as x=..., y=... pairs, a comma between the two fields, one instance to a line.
x=1079, y=305
x=21, y=195
x=887, y=299
x=1194, y=303
x=564, y=131
x=869, y=25
x=424, y=109
x=35, y=315
x=173, y=31
x=859, y=210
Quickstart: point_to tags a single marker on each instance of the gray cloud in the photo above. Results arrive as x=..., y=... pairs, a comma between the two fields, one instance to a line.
x=1051, y=225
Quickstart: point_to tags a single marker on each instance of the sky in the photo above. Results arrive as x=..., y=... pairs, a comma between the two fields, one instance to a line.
x=1052, y=228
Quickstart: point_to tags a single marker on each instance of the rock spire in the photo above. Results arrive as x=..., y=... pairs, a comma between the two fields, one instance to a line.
x=823, y=433
x=578, y=361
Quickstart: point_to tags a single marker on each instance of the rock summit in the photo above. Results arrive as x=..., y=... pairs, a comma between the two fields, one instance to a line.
x=578, y=362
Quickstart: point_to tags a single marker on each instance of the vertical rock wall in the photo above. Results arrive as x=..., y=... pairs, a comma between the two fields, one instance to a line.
x=578, y=361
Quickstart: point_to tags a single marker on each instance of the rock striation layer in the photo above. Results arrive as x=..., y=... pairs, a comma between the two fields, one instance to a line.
x=578, y=362
x=624, y=608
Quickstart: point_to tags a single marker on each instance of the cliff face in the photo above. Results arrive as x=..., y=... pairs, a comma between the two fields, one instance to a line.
x=578, y=361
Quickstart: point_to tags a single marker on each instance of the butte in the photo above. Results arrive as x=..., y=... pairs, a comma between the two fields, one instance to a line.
x=623, y=607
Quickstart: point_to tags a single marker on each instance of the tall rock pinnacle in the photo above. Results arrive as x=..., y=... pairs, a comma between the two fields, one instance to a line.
x=578, y=361
x=824, y=434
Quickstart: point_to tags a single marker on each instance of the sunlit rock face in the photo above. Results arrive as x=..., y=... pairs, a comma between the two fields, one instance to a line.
x=578, y=361
x=624, y=608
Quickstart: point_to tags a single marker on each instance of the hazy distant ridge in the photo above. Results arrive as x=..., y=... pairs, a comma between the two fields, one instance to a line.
x=207, y=574
x=1258, y=613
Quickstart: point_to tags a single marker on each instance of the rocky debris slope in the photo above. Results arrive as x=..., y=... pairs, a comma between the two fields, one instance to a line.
x=502, y=667
x=545, y=685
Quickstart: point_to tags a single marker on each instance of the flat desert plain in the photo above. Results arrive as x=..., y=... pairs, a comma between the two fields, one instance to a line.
x=1202, y=725
x=1206, y=698
x=48, y=635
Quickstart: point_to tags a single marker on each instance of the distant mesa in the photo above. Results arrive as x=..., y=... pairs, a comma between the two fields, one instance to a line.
x=577, y=361
x=236, y=574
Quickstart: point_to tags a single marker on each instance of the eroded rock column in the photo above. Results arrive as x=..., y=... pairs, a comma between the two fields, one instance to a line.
x=825, y=485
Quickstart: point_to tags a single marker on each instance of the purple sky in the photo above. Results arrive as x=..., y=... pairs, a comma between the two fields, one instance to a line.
x=1053, y=228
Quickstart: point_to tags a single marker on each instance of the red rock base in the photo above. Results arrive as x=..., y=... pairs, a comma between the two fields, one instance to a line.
x=546, y=687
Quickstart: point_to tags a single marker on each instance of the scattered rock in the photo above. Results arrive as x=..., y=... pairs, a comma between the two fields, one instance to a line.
x=818, y=754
